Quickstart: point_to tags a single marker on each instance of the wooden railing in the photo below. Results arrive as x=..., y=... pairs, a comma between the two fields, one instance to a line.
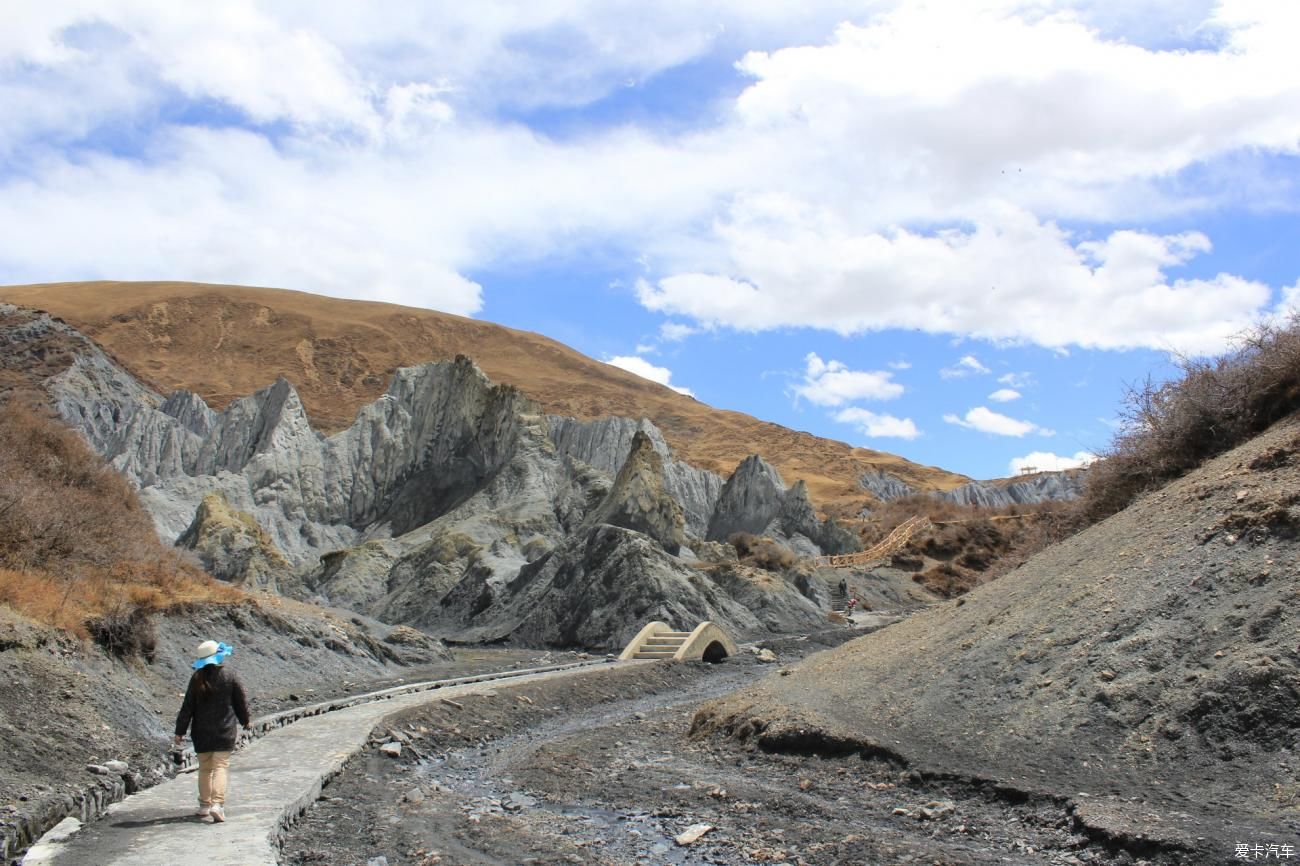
x=895, y=541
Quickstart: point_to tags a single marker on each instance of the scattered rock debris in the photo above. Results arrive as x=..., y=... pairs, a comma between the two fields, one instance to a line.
x=603, y=771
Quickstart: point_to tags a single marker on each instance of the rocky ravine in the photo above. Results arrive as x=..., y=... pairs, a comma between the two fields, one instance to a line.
x=1147, y=670
x=450, y=503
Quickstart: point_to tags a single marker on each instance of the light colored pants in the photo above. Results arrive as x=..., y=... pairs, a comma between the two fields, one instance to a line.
x=212, y=778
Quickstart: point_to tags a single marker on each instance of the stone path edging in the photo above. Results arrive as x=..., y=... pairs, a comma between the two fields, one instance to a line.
x=273, y=780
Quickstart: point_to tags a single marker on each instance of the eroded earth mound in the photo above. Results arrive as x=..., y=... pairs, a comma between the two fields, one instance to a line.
x=1147, y=669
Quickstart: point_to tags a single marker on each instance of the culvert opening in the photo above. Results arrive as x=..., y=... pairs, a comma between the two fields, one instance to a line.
x=715, y=652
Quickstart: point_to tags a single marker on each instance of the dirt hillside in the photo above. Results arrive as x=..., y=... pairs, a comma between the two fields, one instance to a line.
x=1147, y=669
x=225, y=342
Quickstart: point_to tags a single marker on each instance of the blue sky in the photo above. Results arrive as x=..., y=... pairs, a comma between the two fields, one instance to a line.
x=949, y=230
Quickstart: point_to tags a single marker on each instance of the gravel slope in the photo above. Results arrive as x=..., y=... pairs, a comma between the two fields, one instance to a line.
x=599, y=770
x=1146, y=669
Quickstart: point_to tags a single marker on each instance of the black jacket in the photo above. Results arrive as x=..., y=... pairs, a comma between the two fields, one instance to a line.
x=214, y=709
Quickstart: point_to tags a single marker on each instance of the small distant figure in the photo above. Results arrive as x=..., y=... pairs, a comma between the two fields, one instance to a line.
x=216, y=704
x=853, y=603
x=844, y=587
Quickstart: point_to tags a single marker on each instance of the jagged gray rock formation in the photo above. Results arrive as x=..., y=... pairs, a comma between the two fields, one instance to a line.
x=524, y=510
x=796, y=522
x=884, y=486
x=797, y=514
x=438, y=434
x=599, y=589
x=639, y=501
x=449, y=503
x=1043, y=487
x=750, y=501
x=605, y=444
x=756, y=500
x=231, y=546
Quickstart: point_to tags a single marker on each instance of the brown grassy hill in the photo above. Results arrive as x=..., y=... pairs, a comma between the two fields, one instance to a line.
x=224, y=342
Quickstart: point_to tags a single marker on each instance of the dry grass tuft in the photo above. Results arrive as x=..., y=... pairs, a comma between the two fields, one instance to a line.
x=1215, y=405
x=762, y=552
x=969, y=545
x=77, y=550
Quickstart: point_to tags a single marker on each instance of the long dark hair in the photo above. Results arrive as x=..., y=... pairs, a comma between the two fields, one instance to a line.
x=204, y=677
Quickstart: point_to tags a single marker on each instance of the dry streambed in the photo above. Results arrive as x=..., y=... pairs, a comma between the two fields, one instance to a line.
x=602, y=770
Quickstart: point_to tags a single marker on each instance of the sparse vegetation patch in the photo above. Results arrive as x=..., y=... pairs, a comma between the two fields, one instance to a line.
x=77, y=550
x=1171, y=428
x=762, y=552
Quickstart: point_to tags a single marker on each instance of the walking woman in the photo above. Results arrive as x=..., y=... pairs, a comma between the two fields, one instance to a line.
x=214, y=702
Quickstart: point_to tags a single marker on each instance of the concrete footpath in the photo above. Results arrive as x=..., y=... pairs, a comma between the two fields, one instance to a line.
x=273, y=780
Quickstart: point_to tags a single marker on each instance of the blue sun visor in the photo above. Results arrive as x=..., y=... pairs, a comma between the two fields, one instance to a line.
x=223, y=652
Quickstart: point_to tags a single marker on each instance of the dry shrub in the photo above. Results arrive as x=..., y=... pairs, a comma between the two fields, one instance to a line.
x=125, y=633
x=973, y=544
x=1215, y=405
x=1169, y=429
x=947, y=580
x=72, y=602
x=77, y=549
x=60, y=504
x=761, y=553
x=887, y=516
x=1041, y=526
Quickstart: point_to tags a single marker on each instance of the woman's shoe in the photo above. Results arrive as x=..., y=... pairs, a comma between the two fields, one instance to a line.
x=203, y=811
x=217, y=814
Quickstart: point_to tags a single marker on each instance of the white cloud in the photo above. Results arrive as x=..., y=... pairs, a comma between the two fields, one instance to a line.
x=912, y=168
x=984, y=87
x=1011, y=278
x=643, y=368
x=644, y=348
x=1016, y=380
x=831, y=383
x=676, y=331
x=1004, y=395
x=308, y=61
x=1045, y=461
x=1028, y=117
x=899, y=365
x=969, y=365
x=874, y=425
x=985, y=420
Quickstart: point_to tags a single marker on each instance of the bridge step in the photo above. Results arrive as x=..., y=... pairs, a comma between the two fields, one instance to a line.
x=657, y=642
x=662, y=645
